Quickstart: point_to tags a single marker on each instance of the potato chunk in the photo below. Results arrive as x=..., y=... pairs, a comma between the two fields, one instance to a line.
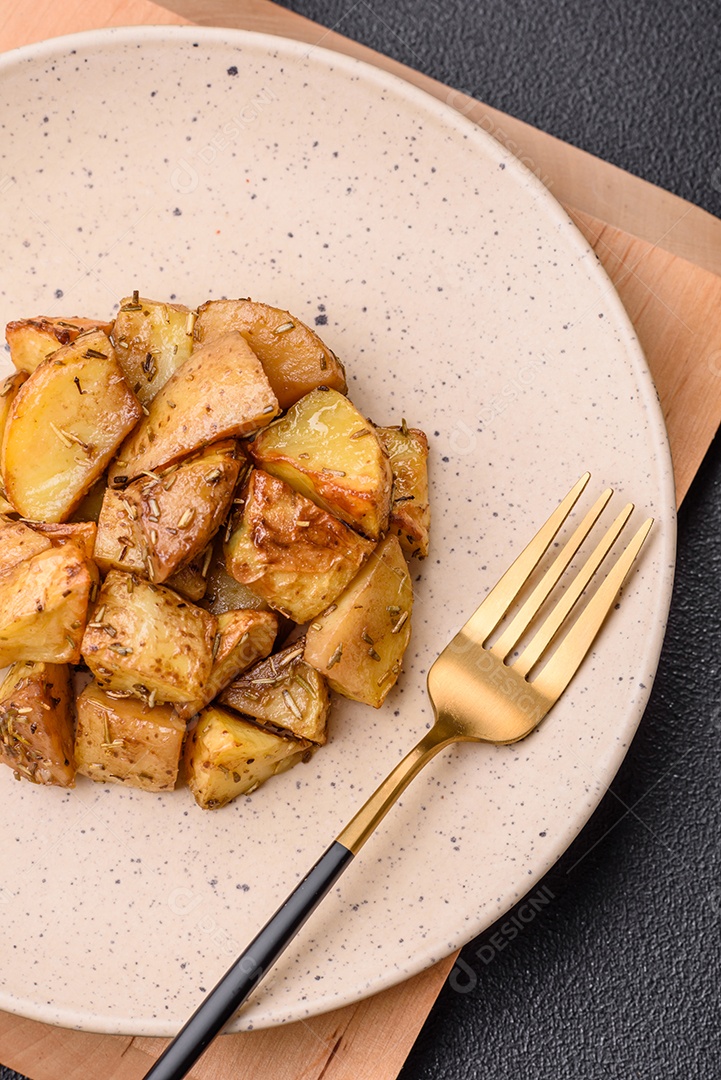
x=359, y=643
x=219, y=393
x=124, y=741
x=243, y=637
x=119, y=542
x=295, y=555
x=33, y=340
x=410, y=520
x=80, y=533
x=65, y=424
x=43, y=606
x=328, y=452
x=293, y=356
x=284, y=694
x=8, y=393
x=226, y=756
x=152, y=340
x=36, y=723
x=145, y=639
x=18, y=542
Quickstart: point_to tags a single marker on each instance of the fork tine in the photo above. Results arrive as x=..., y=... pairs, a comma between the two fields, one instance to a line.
x=555, y=676
x=556, y=618
x=520, y=623
x=489, y=613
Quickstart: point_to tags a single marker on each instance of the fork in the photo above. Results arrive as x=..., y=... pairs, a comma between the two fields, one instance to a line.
x=477, y=696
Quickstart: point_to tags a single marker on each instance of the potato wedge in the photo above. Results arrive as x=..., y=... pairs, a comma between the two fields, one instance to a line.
x=44, y=605
x=152, y=340
x=8, y=393
x=147, y=640
x=243, y=638
x=226, y=756
x=410, y=519
x=19, y=542
x=124, y=741
x=221, y=392
x=328, y=452
x=291, y=552
x=33, y=340
x=36, y=723
x=178, y=515
x=358, y=644
x=80, y=533
x=284, y=694
x=293, y=356
x=65, y=424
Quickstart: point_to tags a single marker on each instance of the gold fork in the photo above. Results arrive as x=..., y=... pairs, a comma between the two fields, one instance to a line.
x=477, y=696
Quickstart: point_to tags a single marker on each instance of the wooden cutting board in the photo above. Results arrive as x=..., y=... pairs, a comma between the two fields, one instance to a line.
x=664, y=257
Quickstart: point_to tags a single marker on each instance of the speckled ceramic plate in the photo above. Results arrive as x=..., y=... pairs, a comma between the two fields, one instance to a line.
x=196, y=163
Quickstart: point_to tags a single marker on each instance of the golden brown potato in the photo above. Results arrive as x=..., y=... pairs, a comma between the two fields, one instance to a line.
x=65, y=424
x=358, y=644
x=244, y=637
x=80, y=533
x=36, y=723
x=295, y=555
x=410, y=520
x=33, y=340
x=293, y=356
x=189, y=580
x=121, y=740
x=221, y=392
x=8, y=393
x=284, y=694
x=43, y=606
x=328, y=452
x=19, y=542
x=119, y=542
x=226, y=756
x=177, y=515
x=146, y=639
x=152, y=340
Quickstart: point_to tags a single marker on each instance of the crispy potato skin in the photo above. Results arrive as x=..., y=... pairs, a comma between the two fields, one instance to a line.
x=226, y=757
x=291, y=552
x=44, y=605
x=328, y=452
x=245, y=636
x=293, y=356
x=221, y=392
x=284, y=694
x=79, y=424
x=36, y=723
x=31, y=341
x=8, y=393
x=359, y=643
x=152, y=340
x=147, y=640
x=124, y=741
x=410, y=519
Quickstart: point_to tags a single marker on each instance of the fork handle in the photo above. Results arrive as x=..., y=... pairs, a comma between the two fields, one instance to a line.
x=250, y=967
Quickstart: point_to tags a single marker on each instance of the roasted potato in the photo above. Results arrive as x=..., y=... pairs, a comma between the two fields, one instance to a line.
x=80, y=533
x=19, y=542
x=328, y=452
x=177, y=514
x=119, y=541
x=223, y=592
x=190, y=581
x=407, y=450
x=358, y=644
x=293, y=356
x=121, y=740
x=77, y=408
x=221, y=392
x=8, y=393
x=295, y=555
x=226, y=756
x=44, y=604
x=243, y=637
x=33, y=340
x=284, y=694
x=36, y=723
x=146, y=639
x=152, y=340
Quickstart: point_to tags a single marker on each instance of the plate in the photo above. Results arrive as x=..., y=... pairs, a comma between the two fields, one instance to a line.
x=193, y=163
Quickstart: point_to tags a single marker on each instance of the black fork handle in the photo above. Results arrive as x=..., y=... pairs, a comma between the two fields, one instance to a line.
x=241, y=979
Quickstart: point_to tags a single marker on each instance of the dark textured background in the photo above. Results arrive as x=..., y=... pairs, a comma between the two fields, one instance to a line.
x=617, y=977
